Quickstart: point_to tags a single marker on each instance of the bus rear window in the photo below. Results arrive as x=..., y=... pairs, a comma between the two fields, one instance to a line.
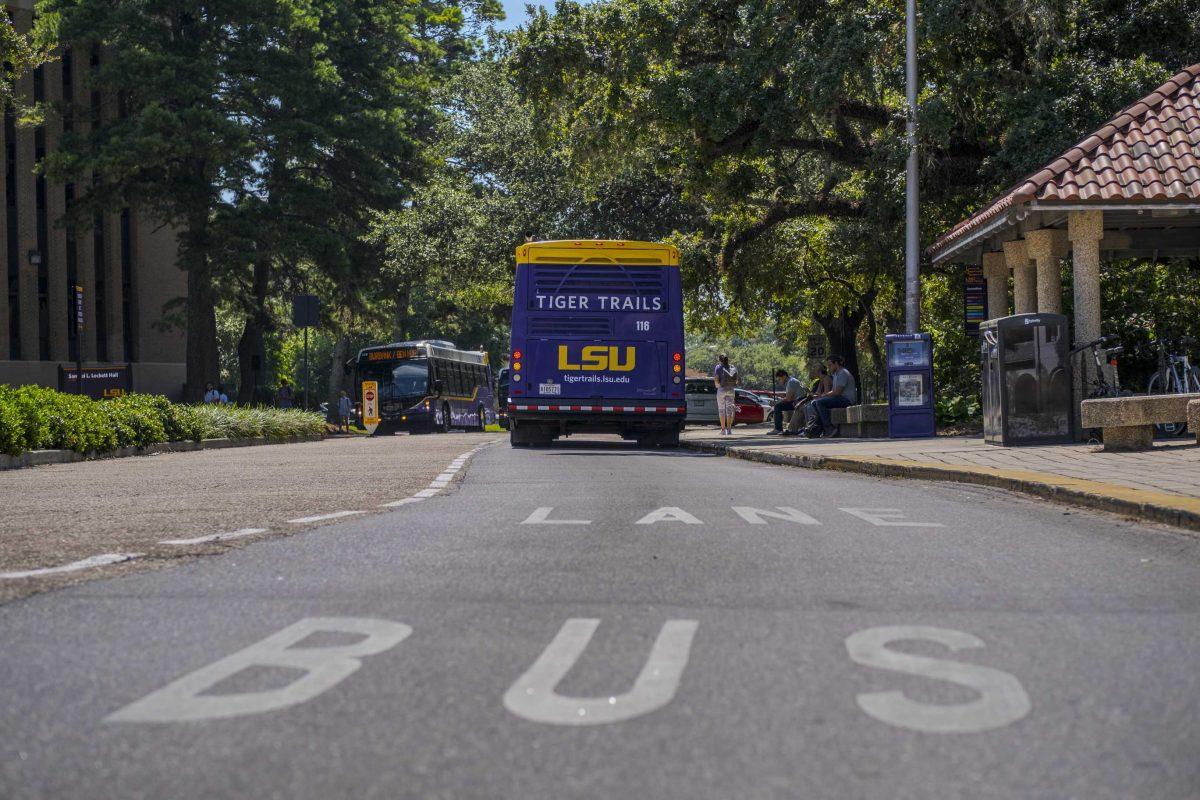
x=597, y=288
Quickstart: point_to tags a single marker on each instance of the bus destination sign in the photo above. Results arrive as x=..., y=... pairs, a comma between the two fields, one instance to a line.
x=393, y=355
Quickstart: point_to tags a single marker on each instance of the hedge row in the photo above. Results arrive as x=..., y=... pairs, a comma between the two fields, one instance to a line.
x=35, y=418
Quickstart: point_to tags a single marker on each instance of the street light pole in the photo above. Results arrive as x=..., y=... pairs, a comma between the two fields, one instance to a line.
x=912, y=239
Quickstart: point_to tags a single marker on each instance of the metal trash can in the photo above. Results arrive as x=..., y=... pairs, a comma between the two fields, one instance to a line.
x=1026, y=380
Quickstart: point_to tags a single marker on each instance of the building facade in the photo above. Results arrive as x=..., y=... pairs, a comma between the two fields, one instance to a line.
x=124, y=261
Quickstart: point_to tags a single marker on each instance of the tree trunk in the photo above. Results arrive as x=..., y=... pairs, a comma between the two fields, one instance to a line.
x=337, y=374
x=841, y=330
x=252, y=348
x=203, y=364
x=403, y=302
x=876, y=354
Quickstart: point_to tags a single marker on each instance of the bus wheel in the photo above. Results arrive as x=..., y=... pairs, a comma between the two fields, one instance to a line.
x=446, y=421
x=517, y=435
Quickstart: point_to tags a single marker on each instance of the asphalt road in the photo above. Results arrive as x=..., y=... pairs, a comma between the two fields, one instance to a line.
x=607, y=622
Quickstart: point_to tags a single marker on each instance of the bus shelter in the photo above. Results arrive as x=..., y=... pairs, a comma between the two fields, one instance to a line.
x=1130, y=189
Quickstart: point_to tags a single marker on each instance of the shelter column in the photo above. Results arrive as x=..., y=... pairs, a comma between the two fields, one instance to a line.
x=1024, y=281
x=4, y=232
x=82, y=226
x=1086, y=229
x=1047, y=247
x=995, y=269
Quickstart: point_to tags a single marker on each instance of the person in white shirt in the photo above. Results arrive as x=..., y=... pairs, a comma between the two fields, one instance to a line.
x=725, y=376
x=211, y=395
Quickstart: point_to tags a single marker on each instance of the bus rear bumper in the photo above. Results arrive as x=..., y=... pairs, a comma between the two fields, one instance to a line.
x=559, y=419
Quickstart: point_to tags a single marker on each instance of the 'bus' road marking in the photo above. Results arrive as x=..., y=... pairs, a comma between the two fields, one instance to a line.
x=888, y=517
x=74, y=566
x=216, y=537
x=1002, y=700
x=533, y=696
x=541, y=516
x=323, y=517
x=323, y=668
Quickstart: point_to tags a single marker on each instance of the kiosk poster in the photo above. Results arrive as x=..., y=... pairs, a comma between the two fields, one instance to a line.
x=99, y=383
x=974, y=299
x=975, y=296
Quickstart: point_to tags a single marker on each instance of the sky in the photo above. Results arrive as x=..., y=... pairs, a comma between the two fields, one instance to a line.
x=514, y=11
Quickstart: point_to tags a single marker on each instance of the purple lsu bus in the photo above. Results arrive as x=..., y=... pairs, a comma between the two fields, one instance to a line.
x=597, y=342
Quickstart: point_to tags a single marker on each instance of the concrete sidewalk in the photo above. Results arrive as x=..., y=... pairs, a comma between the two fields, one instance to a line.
x=1161, y=485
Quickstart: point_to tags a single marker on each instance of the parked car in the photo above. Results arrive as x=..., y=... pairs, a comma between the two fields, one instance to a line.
x=701, y=396
x=750, y=409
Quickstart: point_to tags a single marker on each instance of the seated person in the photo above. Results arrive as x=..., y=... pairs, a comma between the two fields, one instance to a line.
x=843, y=393
x=793, y=395
x=821, y=384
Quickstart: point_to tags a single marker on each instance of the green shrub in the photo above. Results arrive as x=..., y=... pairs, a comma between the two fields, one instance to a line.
x=36, y=418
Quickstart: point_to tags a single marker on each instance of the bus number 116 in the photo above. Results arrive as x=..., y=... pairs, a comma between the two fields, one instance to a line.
x=643, y=324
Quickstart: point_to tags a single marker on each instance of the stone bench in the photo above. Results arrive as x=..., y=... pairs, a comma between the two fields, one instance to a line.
x=1128, y=422
x=861, y=422
x=1194, y=418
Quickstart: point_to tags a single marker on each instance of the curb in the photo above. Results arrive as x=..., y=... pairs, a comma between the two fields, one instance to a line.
x=1177, y=510
x=38, y=458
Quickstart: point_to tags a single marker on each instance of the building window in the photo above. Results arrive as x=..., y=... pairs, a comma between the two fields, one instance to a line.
x=127, y=286
x=12, y=264
x=101, y=289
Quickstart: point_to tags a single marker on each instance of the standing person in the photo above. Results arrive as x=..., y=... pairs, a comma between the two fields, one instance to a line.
x=284, y=397
x=211, y=395
x=345, y=409
x=793, y=396
x=844, y=392
x=725, y=376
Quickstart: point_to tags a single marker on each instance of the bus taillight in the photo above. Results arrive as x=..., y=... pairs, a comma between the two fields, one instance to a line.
x=678, y=357
x=516, y=356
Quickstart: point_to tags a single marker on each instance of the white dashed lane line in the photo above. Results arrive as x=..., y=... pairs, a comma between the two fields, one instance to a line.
x=74, y=566
x=216, y=537
x=439, y=483
x=323, y=517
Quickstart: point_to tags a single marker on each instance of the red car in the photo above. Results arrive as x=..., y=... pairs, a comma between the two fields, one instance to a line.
x=749, y=410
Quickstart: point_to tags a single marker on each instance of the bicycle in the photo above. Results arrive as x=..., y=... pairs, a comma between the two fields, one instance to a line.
x=1175, y=375
x=1099, y=385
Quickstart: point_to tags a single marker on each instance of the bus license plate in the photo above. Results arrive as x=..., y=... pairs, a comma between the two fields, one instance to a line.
x=549, y=388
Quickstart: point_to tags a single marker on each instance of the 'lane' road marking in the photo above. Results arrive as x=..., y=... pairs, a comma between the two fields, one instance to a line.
x=323, y=517
x=74, y=566
x=216, y=537
x=669, y=514
x=541, y=516
x=888, y=517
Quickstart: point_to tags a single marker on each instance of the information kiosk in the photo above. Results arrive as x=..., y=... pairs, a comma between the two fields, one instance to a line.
x=911, y=411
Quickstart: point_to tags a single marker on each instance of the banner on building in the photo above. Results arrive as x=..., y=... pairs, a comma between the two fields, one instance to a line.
x=99, y=383
x=974, y=299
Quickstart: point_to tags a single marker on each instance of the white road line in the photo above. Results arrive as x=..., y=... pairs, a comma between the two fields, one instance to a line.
x=216, y=537
x=323, y=517
x=403, y=502
x=438, y=483
x=74, y=566
x=541, y=516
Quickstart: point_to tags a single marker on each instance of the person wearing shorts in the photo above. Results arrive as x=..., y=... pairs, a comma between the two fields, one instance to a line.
x=725, y=376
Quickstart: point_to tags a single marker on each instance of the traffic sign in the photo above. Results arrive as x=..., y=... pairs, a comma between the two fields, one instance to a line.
x=370, y=390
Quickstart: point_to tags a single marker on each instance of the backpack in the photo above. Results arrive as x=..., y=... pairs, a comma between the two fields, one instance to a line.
x=727, y=377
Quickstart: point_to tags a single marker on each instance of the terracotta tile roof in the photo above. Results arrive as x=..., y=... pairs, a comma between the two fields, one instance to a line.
x=1150, y=151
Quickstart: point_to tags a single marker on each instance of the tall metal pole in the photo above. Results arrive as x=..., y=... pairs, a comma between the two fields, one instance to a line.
x=306, y=368
x=912, y=238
